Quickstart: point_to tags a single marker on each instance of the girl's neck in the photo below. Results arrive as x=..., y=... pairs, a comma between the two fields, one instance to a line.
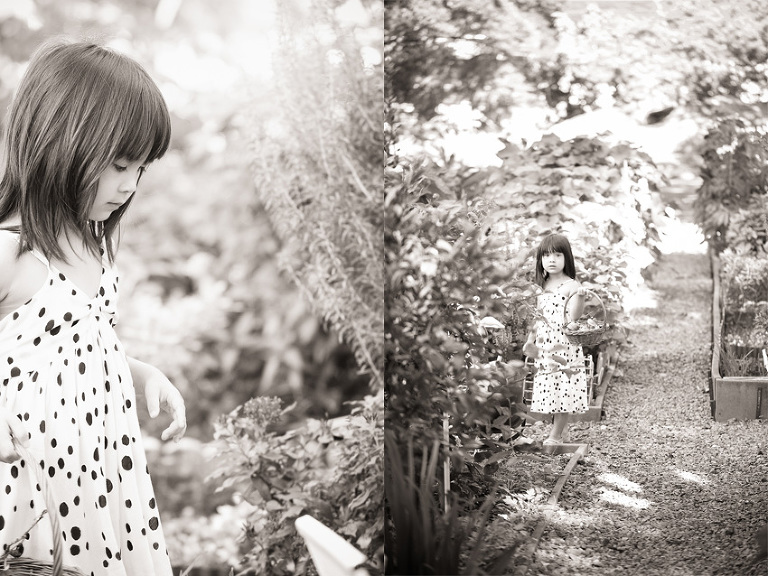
x=557, y=278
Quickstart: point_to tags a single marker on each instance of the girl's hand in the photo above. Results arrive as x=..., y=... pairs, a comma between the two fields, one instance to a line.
x=11, y=429
x=161, y=394
x=530, y=349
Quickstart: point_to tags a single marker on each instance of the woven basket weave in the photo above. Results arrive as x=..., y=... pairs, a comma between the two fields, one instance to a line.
x=11, y=561
x=586, y=337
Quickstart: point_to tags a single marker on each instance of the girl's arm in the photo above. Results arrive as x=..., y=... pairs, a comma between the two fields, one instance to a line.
x=159, y=394
x=529, y=348
x=576, y=303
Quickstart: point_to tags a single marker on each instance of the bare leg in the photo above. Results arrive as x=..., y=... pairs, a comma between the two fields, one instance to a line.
x=559, y=426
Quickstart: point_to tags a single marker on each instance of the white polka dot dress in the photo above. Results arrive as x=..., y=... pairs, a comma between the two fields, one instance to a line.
x=555, y=389
x=65, y=374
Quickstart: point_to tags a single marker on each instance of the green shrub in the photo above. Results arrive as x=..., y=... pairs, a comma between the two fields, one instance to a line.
x=332, y=470
x=735, y=154
x=430, y=533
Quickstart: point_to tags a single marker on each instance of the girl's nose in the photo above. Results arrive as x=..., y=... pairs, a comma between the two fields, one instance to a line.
x=128, y=185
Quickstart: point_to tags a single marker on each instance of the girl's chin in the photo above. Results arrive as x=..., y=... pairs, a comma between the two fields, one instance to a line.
x=103, y=214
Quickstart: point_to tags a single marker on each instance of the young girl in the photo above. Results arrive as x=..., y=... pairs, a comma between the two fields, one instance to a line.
x=84, y=125
x=557, y=391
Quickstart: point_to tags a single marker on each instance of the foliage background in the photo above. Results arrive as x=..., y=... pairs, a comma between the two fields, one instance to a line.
x=205, y=296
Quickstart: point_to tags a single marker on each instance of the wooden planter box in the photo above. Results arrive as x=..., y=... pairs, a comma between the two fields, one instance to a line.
x=740, y=397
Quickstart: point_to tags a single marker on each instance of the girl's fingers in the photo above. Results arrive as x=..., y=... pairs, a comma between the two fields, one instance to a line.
x=175, y=431
x=179, y=425
x=14, y=429
x=7, y=449
x=18, y=431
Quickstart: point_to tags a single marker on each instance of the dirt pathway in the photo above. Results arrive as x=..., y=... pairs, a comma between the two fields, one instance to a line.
x=664, y=490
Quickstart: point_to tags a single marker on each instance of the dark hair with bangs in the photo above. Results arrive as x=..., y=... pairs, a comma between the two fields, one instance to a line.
x=554, y=243
x=79, y=107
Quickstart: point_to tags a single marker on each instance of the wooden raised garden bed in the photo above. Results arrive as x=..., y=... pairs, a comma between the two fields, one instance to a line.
x=742, y=397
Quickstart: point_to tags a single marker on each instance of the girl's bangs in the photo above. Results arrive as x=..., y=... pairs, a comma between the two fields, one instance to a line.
x=554, y=243
x=145, y=128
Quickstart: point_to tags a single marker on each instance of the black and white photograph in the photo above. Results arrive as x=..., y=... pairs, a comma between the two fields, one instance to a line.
x=576, y=300
x=191, y=287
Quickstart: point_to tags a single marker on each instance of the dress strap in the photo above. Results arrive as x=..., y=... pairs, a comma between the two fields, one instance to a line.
x=15, y=230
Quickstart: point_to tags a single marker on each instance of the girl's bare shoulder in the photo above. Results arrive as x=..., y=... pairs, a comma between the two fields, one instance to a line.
x=569, y=287
x=9, y=248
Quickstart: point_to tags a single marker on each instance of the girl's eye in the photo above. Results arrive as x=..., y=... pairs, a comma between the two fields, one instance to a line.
x=119, y=168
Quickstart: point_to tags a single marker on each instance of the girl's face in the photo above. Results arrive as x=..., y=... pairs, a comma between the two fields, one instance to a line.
x=553, y=262
x=116, y=185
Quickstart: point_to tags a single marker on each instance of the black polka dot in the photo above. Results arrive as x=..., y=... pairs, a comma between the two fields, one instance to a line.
x=63, y=509
x=127, y=463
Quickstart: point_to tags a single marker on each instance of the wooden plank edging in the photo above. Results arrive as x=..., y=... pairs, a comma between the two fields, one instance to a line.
x=533, y=541
x=717, y=325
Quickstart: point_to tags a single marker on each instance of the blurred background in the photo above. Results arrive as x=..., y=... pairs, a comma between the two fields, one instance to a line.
x=273, y=106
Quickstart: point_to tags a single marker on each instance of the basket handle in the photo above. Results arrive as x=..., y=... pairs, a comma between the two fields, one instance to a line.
x=50, y=504
x=588, y=291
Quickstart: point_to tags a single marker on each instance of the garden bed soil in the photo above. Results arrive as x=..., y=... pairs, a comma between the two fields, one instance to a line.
x=664, y=489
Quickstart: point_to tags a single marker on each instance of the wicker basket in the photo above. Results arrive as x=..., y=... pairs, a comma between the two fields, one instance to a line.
x=11, y=561
x=590, y=336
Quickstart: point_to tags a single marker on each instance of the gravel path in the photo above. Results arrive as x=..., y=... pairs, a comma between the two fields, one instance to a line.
x=664, y=490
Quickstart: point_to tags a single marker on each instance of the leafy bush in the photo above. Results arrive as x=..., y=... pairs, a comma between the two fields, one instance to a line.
x=735, y=154
x=744, y=281
x=332, y=470
x=317, y=166
x=427, y=536
x=747, y=230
